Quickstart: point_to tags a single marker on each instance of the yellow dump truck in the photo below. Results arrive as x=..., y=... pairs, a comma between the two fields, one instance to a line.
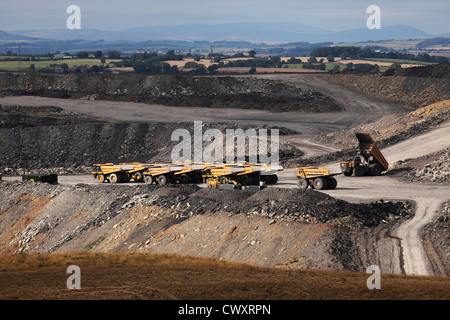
x=235, y=177
x=316, y=178
x=369, y=160
x=113, y=173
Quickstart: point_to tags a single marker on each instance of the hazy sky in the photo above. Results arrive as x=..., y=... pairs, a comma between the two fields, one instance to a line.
x=430, y=16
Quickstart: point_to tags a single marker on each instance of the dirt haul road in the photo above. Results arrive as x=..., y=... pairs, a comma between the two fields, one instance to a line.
x=428, y=198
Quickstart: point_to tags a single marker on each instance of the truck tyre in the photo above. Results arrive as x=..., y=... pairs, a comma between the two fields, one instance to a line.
x=332, y=183
x=359, y=171
x=100, y=178
x=348, y=172
x=273, y=179
x=302, y=184
x=375, y=169
x=184, y=178
x=113, y=178
x=125, y=178
x=245, y=180
x=148, y=179
x=162, y=180
x=320, y=183
x=138, y=177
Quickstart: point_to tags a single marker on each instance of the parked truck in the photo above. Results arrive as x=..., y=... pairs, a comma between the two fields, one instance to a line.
x=368, y=161
x=236, y=177
x=316, y=178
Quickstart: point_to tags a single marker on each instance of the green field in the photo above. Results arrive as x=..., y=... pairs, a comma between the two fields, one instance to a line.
x=39, y=64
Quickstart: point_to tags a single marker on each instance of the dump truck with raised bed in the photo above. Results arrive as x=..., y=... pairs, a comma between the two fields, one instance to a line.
x=369, y=160
x=316, y=178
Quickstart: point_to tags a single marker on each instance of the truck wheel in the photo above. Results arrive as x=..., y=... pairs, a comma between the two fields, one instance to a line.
x=359, y=171
x=184, y=178
x=320, y=183
x=138, y=177
x=162, y=180
x=114, y=178
x=348, y=172
x=100, y=178
x=273, y=179
x=245, y=180
x=302, y=184
x=332, y=183
x=148, y=179
x=375, y=169
x=125, y=178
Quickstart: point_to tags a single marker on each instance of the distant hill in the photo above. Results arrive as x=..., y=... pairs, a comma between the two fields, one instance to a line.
x=245, y=31
x=9, y=36
x=395, y=32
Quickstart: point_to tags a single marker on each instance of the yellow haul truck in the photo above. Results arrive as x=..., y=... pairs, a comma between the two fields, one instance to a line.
x=161, y=173
x=369, y=161
x=111, y=172
x=316, y=178
x=235, y=177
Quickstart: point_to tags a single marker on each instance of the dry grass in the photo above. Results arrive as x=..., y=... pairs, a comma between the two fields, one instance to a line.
x=163, y=276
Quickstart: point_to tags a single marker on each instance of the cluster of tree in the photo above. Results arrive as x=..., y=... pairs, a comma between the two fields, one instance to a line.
x=151, y=62
x=262, y=62
x=98, y=54
x=64, y=68
x=361, y=67
x=357, y=52
x=441, y=41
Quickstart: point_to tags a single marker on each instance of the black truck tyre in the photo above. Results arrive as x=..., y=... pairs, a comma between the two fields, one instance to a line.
x=162, y=180
x=138, y=177
x=375, y=169
x=149, y=179
x=332, y=183
x=302, y=184
x=320, y=183
x=114, y=178
x=359, y=171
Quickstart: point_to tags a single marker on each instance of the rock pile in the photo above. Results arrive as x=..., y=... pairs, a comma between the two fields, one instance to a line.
x=435, y=171
x=416, y=86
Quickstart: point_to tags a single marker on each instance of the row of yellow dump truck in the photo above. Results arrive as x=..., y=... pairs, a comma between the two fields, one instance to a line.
x=369, y=161
x=162, y=173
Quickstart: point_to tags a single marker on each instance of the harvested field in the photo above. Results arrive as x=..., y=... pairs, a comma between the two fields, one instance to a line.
x=131, y=276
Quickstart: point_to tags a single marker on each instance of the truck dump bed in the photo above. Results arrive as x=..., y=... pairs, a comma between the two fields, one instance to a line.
x=367, y=147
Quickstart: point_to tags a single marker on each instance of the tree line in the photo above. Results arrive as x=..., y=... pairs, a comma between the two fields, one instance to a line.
x=357, y=52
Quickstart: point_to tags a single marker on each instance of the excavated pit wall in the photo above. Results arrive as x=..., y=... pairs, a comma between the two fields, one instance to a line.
x=176, y=90
x=273, y=227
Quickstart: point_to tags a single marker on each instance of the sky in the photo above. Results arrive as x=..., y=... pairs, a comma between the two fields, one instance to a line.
x=113, y=15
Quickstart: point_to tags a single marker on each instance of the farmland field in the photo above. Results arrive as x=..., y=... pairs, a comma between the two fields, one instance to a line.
x=39, y=64
x=161, y=276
